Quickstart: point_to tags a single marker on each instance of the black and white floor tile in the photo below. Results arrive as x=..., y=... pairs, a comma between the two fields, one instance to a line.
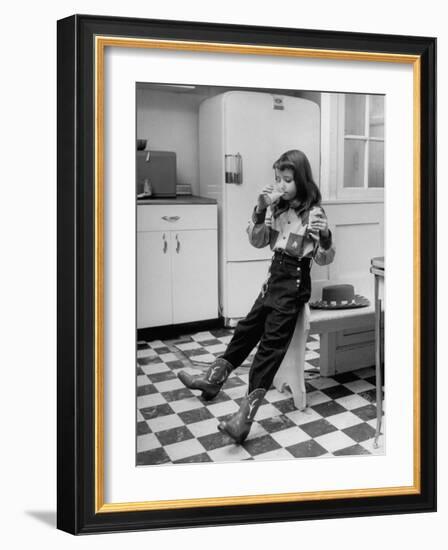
x=174, y=425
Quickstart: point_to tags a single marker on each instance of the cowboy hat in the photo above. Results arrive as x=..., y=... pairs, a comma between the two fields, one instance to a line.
x=340, y=297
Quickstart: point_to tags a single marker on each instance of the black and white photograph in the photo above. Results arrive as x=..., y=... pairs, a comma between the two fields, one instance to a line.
x=229, y=350
x=260, y=274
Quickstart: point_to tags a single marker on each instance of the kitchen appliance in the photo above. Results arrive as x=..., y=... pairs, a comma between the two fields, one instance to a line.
x=241, y=135
x=184, y=189
x=156, y=170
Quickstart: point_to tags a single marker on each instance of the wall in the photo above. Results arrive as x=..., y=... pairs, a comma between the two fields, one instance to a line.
x=358, y=231
x=28, y=276
x=169, y=120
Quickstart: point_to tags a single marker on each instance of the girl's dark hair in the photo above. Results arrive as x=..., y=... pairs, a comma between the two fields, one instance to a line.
x=307, y=192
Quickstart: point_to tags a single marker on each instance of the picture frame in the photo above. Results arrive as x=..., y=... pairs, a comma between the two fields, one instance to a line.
x=82, y=42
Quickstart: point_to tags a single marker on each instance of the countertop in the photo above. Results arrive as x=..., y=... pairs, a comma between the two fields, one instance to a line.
x=180, y=199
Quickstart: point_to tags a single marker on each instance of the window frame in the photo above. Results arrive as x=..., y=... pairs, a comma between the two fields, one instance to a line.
x=355, y=193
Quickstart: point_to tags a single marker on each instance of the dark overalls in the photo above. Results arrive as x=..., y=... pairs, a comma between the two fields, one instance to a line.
x=272, y=319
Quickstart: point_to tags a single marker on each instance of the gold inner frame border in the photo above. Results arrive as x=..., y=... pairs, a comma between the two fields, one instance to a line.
x=100, y=44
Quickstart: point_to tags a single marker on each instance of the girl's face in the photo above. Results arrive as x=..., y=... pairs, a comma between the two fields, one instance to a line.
x=284, y=180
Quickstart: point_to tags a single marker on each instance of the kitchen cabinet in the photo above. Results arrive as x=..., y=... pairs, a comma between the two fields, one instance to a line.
x=194, y=275
x=154, y=298
x=177, y=263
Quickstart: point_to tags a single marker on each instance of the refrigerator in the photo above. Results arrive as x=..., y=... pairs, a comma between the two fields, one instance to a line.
x=241, y=135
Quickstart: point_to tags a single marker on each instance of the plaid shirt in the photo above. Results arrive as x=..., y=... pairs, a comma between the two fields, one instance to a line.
x=289, y=232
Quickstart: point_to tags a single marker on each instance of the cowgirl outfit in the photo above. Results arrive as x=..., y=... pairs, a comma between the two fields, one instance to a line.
x=272, y=319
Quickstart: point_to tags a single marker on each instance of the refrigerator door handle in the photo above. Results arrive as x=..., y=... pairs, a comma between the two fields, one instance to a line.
x=171, y=218
x=234, y=168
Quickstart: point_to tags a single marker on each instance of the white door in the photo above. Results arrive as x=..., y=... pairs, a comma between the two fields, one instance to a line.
x=154, y=300
x=195, y=275
x=261, y=127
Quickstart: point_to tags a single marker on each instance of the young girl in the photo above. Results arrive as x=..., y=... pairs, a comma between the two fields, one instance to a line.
x=298, y=234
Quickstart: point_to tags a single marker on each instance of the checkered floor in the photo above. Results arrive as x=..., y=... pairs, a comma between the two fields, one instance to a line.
x=175, y=426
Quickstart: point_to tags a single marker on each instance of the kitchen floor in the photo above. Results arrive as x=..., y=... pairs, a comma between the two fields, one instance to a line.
x=175, y=426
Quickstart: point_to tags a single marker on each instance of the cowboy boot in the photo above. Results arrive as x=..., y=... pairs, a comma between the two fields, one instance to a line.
x=210, y=383
x=239, y=424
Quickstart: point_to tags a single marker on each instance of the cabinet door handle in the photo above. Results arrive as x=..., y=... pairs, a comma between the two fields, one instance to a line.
x=178, y=244
x=165, y=244
x=171, y=218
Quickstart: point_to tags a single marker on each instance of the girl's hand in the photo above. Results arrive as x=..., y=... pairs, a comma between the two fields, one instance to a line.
x=318, y=222
x=263, y=200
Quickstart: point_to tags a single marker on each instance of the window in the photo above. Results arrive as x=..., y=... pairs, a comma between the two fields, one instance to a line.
x=352, y=148
x=362, y=154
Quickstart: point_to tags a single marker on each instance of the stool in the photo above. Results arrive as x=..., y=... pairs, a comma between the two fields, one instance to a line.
x=338, y=352
x=291, y=370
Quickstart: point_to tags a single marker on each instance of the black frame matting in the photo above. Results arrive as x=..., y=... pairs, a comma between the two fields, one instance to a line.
x=75, y=403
